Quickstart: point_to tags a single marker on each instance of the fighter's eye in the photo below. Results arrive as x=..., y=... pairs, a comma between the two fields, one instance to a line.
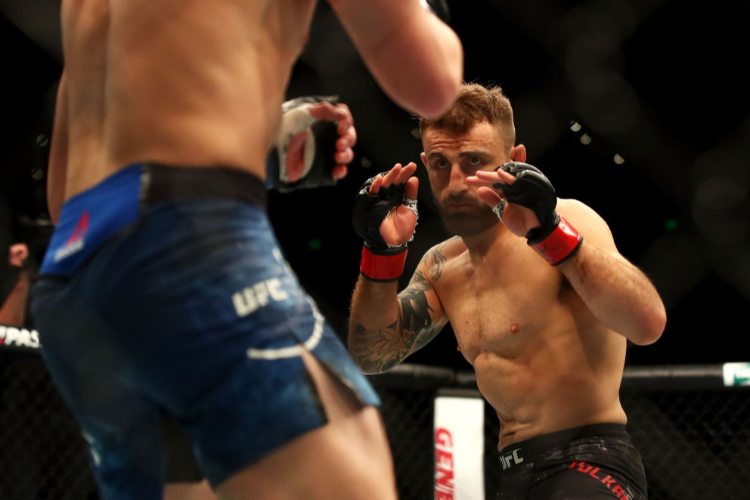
x=475, y=161
x=442, y=163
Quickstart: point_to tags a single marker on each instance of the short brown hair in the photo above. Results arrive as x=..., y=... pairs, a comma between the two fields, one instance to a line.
x=476, y=104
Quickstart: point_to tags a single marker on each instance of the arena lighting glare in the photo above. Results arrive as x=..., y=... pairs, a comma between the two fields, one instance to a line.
x=619, y=159
x=585, y=140
x=575, y=126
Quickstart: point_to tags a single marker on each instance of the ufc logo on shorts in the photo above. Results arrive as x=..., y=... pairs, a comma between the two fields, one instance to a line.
x=511, y=459
x=256, y=296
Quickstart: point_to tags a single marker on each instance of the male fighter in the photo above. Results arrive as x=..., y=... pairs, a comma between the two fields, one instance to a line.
x=540, y=300
x=299, y=159
x=163, y=289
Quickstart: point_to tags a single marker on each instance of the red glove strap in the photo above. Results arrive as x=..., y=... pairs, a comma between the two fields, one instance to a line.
x=382, y=267
x=561, y=244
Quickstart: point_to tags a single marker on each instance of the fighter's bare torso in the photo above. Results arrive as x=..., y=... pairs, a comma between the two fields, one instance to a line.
x=542, y=359
x=183, y=82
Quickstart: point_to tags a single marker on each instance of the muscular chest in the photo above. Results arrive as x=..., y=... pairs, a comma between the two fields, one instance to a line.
x=502, y=305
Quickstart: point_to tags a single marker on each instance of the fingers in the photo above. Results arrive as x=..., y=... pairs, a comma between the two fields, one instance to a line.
x=502, y=175
x=342, y=116
x=326, y=111
x=397, y=175
x=339, y=114
x=391, y=175
x=344, y=157
x=375, y=186
x=406, y=173
x=481, y=179
x=487, y=178
x=339, y=172
x=344, y=152
x=412, y=188
x=345, y=128
x=346, y=120
x=347, y=137
x=488, y=196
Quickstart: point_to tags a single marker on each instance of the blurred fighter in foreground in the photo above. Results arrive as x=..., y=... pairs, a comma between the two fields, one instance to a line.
x=163, y=290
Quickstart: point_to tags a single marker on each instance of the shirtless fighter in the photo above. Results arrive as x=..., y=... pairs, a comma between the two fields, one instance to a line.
x=540, y=300
x=313, y=148
x=163, y=289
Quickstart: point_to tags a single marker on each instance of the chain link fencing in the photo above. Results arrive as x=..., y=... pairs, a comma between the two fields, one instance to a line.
x=692, y=432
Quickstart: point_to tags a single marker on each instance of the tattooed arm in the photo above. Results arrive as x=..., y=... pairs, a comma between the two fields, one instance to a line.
x=385, y=326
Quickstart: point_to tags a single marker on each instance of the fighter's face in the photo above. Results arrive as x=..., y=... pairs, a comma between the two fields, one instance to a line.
x=450, y=160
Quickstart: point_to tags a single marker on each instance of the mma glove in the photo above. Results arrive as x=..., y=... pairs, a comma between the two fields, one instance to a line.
x=380, y=262
x=555, y=240
x=320, y=147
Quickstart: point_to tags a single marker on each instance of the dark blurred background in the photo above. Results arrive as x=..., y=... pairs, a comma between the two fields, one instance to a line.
x=638, y=108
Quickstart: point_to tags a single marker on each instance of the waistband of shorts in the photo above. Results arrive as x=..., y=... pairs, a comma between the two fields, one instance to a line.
x=162, y=183
x=91, y=217
x=536, y=446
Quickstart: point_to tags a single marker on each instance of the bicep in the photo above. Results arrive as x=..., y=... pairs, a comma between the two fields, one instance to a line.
x=421, y=314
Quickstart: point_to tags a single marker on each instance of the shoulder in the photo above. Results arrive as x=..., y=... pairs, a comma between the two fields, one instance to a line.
x=446, y=250
x=588, y=222
x=435, y=259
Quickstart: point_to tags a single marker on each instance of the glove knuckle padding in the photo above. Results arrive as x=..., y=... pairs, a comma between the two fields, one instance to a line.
x=370, y=210
x=534, y=191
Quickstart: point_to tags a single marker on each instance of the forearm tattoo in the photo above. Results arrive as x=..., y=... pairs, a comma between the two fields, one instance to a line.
x=380, y=349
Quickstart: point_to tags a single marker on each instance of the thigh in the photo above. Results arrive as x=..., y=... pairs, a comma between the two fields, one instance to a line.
x=121, y=427
x=266, y=403
x=346, y=459
x=217, y=327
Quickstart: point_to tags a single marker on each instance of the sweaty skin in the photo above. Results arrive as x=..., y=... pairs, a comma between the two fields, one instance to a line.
x=547, y=343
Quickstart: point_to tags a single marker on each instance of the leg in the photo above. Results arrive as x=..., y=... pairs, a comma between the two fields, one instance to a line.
x=347, y=459
x=267, y=417
x=87, y=366
x=189, y=491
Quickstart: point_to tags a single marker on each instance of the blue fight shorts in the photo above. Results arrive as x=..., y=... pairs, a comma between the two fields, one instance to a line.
x=163, y=291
